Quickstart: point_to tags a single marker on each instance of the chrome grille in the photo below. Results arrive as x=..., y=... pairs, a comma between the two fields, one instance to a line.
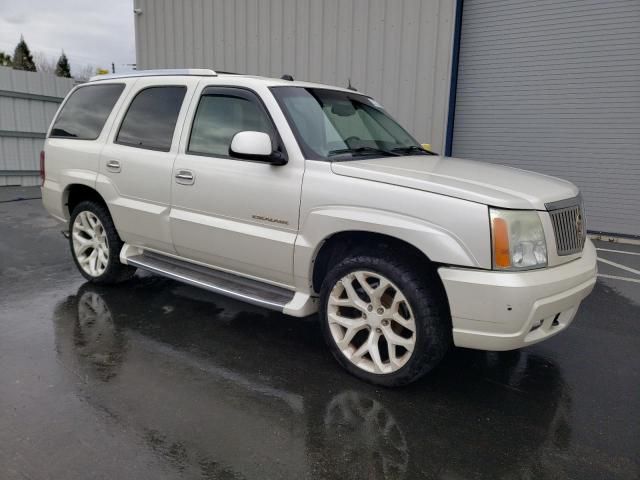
x=569, y=226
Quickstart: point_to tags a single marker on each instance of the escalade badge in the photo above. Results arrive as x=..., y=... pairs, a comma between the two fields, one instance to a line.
x=270, y=219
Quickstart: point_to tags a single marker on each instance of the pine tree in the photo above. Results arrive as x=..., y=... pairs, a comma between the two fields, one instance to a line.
x=5, y=59
x=62, y=68
x=22, y=58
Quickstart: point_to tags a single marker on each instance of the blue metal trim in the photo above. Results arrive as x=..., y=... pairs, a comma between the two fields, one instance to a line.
x=454, y=78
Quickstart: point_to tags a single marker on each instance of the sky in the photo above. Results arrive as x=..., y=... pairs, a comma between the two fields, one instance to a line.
x=91, y=32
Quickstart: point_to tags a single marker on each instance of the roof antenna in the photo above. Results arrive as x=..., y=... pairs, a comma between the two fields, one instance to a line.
x=287, y=77
x=351, y=87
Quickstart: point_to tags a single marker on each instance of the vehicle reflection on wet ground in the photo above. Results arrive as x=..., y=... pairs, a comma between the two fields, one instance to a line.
x=154, y=379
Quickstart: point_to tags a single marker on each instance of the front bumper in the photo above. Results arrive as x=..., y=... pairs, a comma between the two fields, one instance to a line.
x=507, y=310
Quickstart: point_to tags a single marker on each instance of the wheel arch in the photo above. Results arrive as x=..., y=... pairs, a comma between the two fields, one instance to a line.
x=326, y=227
x=77, y=192
x=337, y=246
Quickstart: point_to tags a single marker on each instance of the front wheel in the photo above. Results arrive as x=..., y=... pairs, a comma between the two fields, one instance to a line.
x=385, y=320
x=95, y=244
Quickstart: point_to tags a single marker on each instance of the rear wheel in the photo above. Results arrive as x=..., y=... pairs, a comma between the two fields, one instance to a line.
x=385, y=320
x=95, y=244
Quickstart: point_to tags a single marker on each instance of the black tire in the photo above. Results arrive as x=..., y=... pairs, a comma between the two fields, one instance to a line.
x=115, y=271
x=423, y=290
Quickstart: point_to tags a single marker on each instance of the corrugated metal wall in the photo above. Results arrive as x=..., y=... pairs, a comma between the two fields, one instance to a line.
x=555, y=87
x=398, y=51
x=28, y=102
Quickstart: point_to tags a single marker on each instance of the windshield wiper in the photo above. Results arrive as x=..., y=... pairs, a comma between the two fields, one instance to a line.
x=412, y=149
x=361, y=151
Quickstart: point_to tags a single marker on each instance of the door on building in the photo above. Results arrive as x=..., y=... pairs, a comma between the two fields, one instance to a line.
x=555, y=88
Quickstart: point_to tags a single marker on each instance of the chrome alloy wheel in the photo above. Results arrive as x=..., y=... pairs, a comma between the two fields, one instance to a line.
x=90, y=243
x=371, y=322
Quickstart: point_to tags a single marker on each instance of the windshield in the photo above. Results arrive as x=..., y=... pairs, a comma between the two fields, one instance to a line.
x=335, y=125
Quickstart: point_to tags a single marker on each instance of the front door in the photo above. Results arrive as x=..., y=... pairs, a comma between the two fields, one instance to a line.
x=236, y=215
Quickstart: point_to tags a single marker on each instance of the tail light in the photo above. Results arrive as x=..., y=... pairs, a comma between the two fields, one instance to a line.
x=42, y=168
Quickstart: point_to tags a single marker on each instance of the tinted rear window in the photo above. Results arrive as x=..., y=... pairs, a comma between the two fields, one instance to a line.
x=86, y=111
x=151, y=118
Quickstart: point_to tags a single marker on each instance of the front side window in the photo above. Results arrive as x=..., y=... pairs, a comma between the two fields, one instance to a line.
x=337, y=125
x=85, y=112
x=220, y=115
x=151, y=118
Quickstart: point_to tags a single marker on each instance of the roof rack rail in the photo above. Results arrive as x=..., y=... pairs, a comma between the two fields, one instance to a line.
x=201, y=72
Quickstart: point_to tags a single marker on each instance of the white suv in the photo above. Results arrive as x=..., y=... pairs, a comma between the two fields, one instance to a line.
x=307, y=198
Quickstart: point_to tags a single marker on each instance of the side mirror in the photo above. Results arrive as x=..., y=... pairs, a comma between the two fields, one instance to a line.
x=256, y=146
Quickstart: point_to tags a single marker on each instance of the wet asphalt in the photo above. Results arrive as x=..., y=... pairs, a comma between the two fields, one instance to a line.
x=154, y=379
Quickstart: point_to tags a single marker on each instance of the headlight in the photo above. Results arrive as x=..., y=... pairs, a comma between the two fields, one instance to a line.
x=517, y=240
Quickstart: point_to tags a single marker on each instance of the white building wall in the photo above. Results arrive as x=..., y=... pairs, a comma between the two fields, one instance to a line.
x=398, y=51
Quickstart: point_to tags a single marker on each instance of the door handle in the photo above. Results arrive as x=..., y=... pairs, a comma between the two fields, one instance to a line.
x=113, y=165
x=185, y=177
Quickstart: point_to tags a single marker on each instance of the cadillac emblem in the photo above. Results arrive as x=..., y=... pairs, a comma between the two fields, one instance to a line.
x=579, y=225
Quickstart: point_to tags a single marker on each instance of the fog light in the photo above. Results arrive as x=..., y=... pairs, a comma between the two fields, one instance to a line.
x=536, y=325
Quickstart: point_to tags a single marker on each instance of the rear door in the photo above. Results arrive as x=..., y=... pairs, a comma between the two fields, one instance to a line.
x=136, y=163
x=236, y=215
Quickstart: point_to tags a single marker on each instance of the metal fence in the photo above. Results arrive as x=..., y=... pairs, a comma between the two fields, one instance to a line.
x=28, y=102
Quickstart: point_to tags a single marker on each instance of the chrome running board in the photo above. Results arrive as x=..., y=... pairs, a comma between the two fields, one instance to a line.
x=244, y=289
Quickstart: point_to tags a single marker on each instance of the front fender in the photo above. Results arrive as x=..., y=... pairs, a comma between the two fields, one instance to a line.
x=436, y=242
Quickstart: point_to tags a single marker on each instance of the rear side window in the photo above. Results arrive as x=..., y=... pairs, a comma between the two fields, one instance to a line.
x=151, y=118
x=85, y=111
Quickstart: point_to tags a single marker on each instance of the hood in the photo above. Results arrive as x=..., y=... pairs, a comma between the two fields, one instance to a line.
x=486, y=183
